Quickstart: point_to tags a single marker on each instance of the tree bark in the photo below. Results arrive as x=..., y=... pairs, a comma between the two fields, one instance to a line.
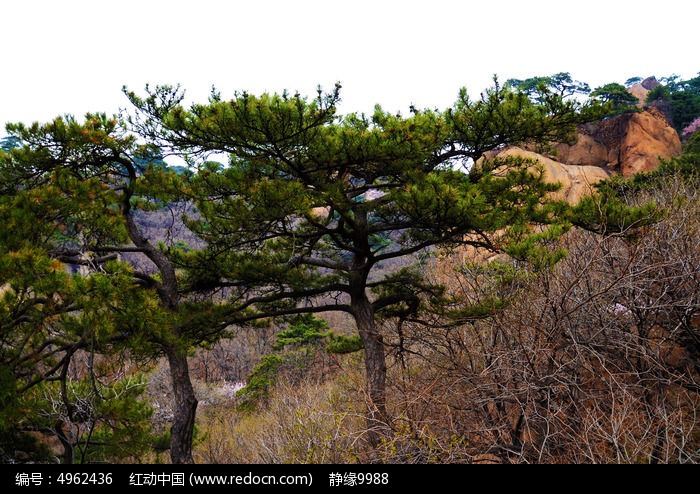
x=184, y=401
x=184, y=408
x=68, y=451
x=375, y=369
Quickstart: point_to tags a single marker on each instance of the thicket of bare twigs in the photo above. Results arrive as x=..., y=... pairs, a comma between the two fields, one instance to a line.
x=595, y=361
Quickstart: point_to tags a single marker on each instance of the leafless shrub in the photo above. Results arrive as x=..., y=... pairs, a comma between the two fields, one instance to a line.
x=595, y=361
x=232, y=359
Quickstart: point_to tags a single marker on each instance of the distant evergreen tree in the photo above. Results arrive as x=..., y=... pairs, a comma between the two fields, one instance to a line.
x=618, y=96
x=9, y=142
x=560, y=84
x=683, y=97
x=658, y=93
x=632, y=81
x=296, y=346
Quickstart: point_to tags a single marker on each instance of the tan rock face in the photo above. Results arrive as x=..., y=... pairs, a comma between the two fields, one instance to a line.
x=627, y=144
x=641, y=89
x=586, y=152
x=647, y=140
x=576, y=181
x=640, y=92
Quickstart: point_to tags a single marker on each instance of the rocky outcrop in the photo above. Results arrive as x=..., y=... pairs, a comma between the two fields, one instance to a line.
x=650, y=83
x=627, y=144
x=576, y=181
x=648, y=138
x=640, y=92
x=641, y=89
x=586, y=151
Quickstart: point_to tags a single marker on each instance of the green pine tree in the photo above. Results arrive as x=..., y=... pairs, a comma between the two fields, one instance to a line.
x=338, y=199
x=78, y=197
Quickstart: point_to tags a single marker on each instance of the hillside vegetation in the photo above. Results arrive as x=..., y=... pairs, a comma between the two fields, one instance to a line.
x=513, y=279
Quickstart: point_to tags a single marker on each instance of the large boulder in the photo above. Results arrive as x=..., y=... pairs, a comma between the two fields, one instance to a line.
x=577, y=181
x=626, y=144
x=650, y=83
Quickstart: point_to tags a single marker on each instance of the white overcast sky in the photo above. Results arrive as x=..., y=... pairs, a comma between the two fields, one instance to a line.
x=74, y=56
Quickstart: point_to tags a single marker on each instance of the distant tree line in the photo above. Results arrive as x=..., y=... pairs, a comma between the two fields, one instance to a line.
x=678, y=98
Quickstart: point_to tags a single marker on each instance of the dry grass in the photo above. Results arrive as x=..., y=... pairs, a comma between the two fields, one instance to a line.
x=310, y=422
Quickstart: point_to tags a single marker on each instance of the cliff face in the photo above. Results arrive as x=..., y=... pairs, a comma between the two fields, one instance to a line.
x=648, y=138
x=627, y=144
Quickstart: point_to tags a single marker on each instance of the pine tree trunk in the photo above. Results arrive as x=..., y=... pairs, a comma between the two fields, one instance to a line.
x=375, y=369
x=184, y=401
x=184, y=408
x=68, y=451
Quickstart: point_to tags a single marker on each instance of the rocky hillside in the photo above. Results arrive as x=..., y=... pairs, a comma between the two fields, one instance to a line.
x=627, y=144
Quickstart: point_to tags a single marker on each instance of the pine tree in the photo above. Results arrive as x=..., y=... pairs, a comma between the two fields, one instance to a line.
x=333, y=201
x=76, y=197
x=55, y=324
